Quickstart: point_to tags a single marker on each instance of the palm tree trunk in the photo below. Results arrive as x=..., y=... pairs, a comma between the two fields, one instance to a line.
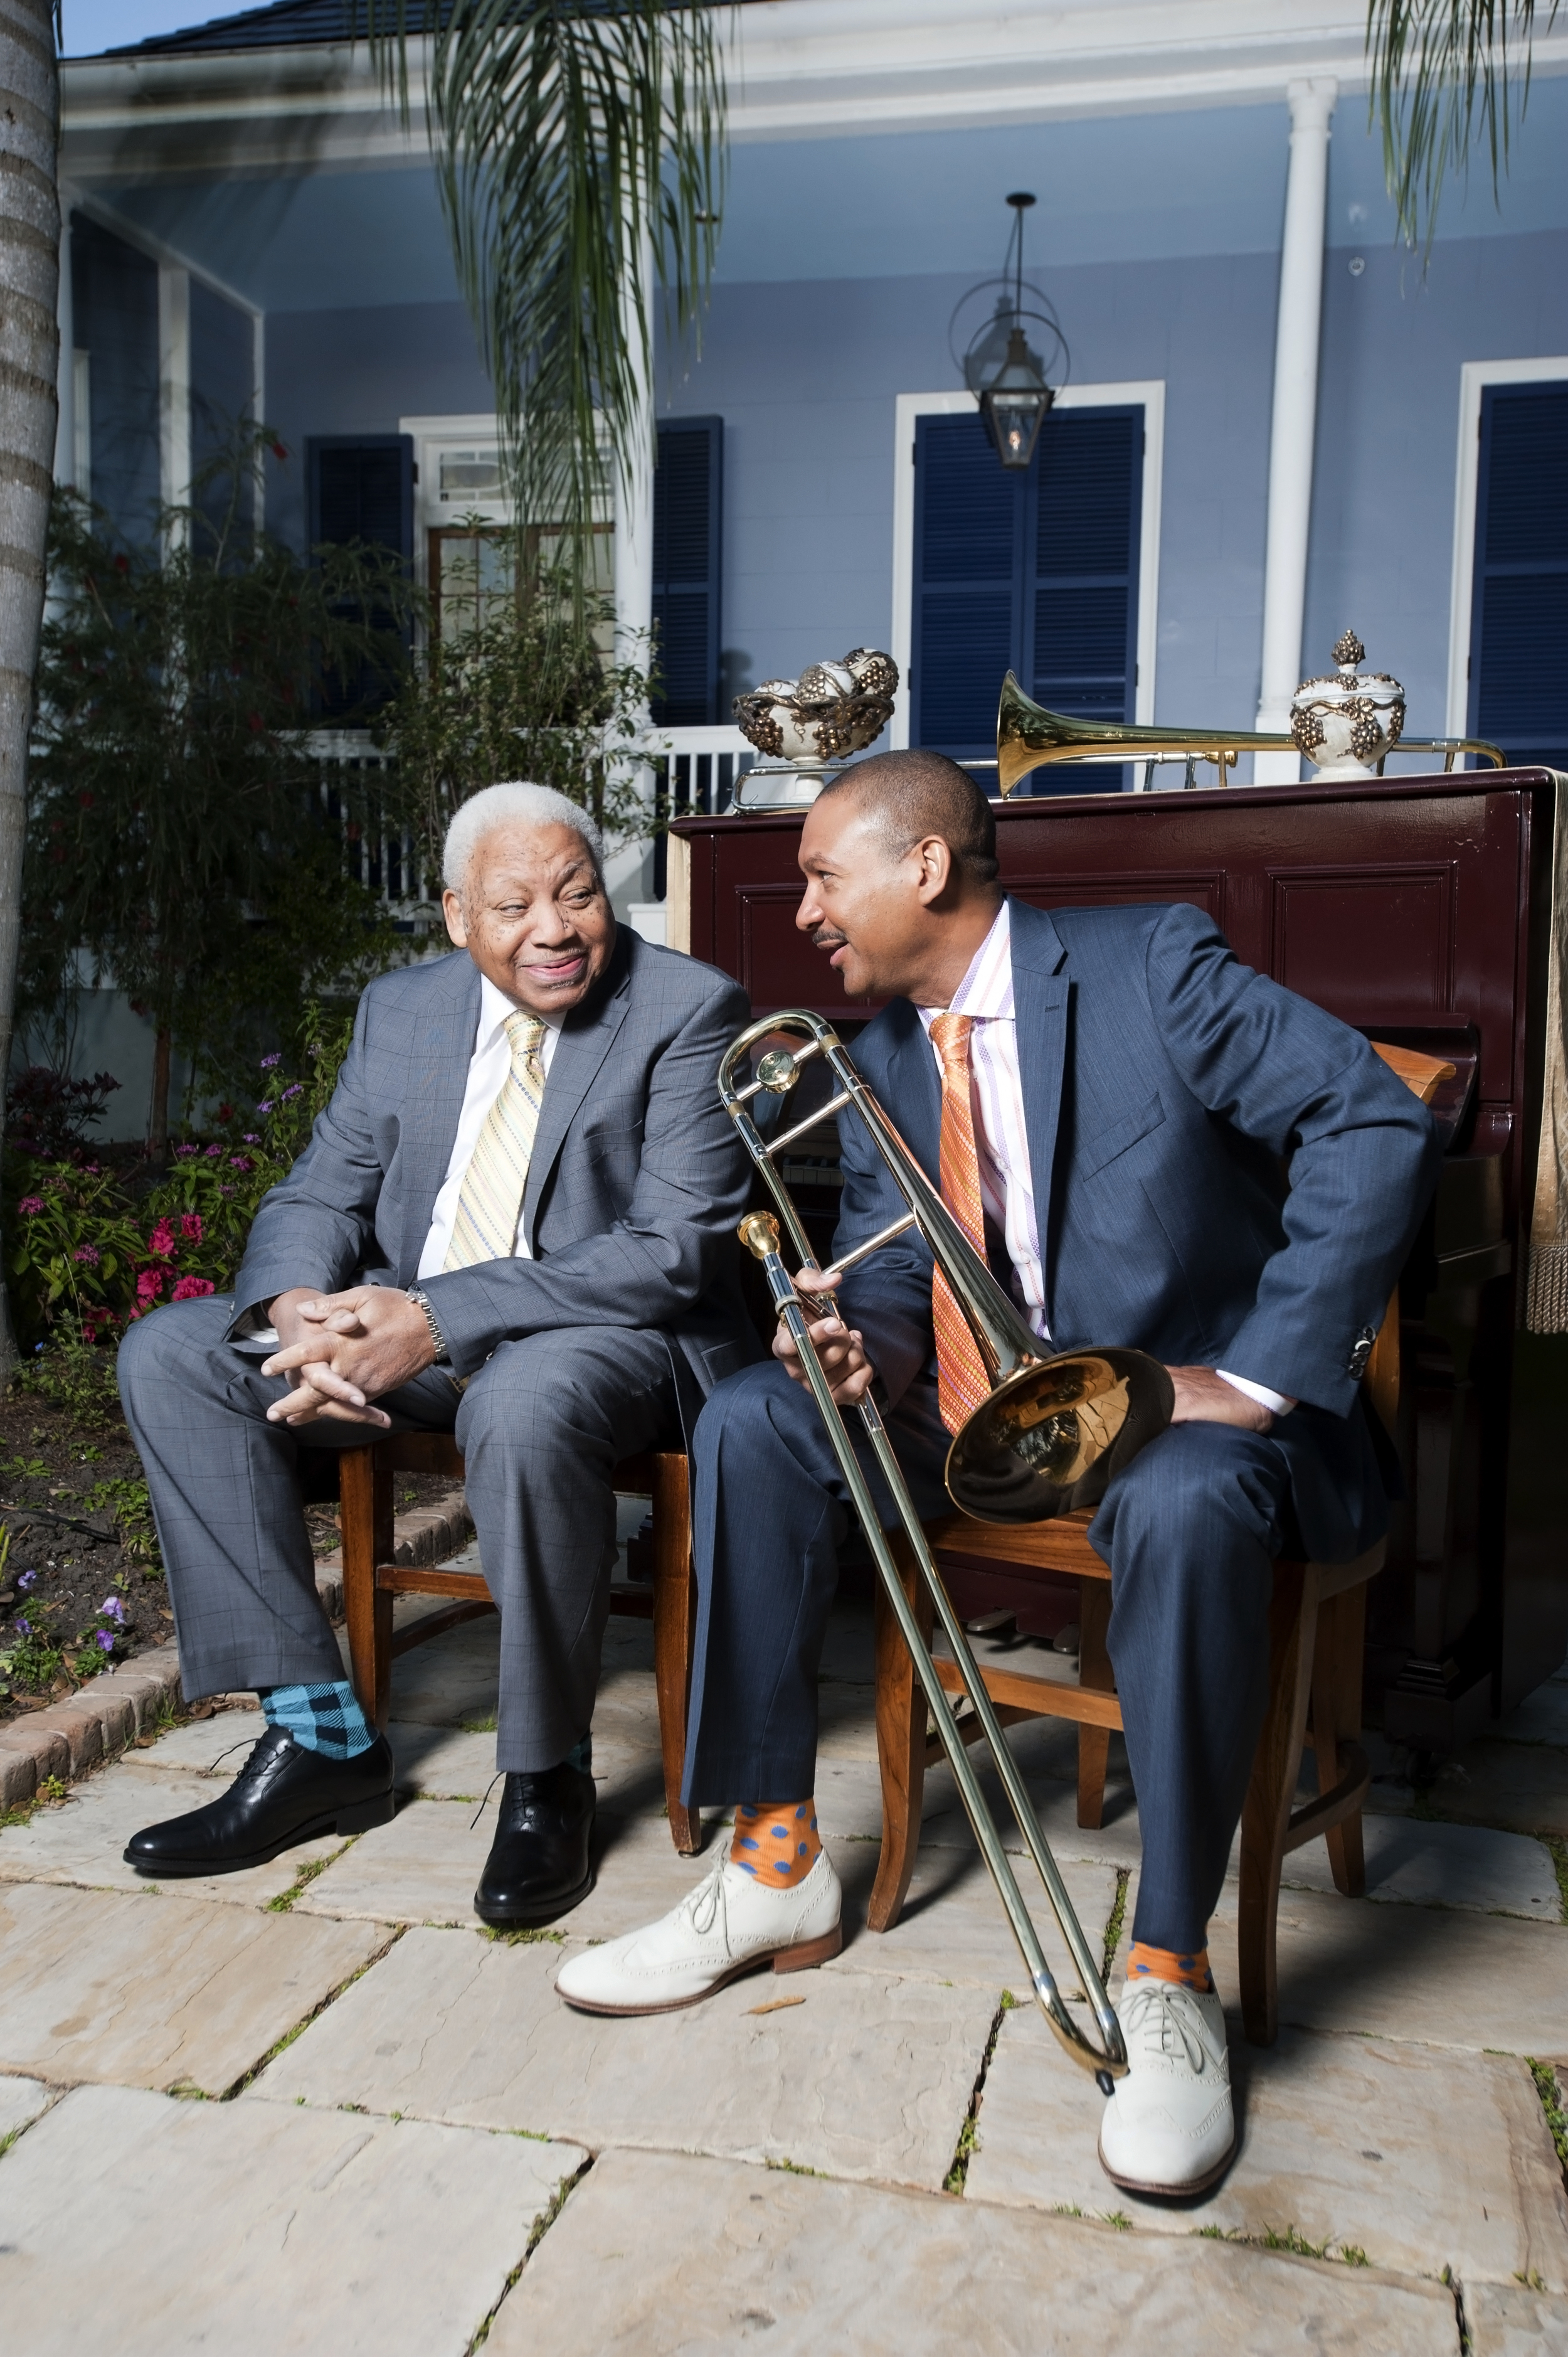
x=29, y=347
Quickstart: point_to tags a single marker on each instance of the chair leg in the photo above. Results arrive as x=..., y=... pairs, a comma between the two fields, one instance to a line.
x=1093, y=1671
x=900, y=1743
x=366, y=1520
x=1337, y=1720
x=1292, y=1619
x=674, y=1629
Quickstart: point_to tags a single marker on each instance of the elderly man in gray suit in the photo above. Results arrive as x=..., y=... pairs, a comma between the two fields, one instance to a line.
x=514, y=1221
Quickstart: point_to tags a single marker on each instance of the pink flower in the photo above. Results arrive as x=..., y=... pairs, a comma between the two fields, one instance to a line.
x=240, y=1162
x=192, y=1288
x=150, y=1286
x=160, y=1244
x=30, y=1206
x=90, y=1253
x=190, y=1227
x=214, y=1153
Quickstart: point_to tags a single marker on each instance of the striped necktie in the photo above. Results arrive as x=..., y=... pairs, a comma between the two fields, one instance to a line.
x=489, y=1204
x=961, y=1374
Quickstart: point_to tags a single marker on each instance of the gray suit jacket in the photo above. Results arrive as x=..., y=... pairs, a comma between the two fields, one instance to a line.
x=637, y=1179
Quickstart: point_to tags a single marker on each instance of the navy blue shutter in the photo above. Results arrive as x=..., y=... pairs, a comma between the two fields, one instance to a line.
x=1519, y=614
x=969, y=579
x=688, y=532
x=360, y=487
x=1035, y=573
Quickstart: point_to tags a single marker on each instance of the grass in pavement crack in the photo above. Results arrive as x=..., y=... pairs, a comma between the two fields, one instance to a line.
x=1548, y=2087
x=1118, y=1917
x=1558, y=1849
x=299, y=2028
x=541, y=2225
x=306, y=1876
x=1285, y=2238
x=967, y=2142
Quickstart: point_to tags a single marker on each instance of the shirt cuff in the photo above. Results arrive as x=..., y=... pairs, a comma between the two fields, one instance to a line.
x=1274, y=1401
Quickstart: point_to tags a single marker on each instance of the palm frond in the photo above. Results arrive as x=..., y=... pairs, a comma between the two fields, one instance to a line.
x=571, y=137
x=1447, y=75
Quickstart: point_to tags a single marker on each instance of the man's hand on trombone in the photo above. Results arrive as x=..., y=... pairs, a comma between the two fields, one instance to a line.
x=838, y=1347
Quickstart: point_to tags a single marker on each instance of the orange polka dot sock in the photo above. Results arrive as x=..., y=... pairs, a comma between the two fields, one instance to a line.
x=779, y=1844
x=1146, y=1963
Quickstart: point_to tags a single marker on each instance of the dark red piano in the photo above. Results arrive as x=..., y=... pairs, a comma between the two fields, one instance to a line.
x=1417, y=909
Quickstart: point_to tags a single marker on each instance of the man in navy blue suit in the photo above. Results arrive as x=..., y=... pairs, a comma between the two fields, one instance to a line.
x=1107, y=1097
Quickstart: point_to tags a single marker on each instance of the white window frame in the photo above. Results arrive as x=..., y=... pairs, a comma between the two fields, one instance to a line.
x=1474, y=377
x=430, y=437
x=1150, y=392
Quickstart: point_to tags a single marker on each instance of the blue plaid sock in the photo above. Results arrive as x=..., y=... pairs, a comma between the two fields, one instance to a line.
x=320, y=1719
x=581, y=1755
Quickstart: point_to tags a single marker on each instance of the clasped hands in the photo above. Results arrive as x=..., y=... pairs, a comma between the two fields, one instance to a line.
x=344, y=1350
x=1201, y=1395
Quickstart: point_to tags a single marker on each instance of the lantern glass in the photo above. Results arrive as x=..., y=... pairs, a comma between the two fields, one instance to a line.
x=1015, y=403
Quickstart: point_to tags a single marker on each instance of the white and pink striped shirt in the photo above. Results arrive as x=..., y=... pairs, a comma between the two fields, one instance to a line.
x=1000, y=1139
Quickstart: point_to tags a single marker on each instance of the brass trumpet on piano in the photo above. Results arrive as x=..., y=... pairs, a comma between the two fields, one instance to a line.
x=1047, y=1437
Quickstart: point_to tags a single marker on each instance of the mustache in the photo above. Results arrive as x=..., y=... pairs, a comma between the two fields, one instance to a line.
x=828, y=937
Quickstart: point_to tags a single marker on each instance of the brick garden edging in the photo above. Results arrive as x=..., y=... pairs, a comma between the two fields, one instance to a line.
x=69, y=1738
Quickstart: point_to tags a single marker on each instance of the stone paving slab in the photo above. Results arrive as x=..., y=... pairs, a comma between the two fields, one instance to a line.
x=953, y=1927
x=653, y=2256
x=21, y=2100
x=1411, y=1858
x=199, y=1744
x=1419, y=2159
x=1431, y=1975
x=1498, y=1783
x=1507, y=2320
x=866, y=2077
x=82, y=1839
x=164, y=2226
x=158, y=1992
x=1542, y=1716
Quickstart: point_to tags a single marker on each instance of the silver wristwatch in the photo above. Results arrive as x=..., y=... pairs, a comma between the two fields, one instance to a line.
x=422, y=1301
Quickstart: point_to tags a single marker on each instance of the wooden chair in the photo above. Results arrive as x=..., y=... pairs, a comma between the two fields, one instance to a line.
x=371, y=1580
x=1316, y=1634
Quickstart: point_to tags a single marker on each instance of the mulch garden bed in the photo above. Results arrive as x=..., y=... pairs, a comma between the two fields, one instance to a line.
x=81, y=1586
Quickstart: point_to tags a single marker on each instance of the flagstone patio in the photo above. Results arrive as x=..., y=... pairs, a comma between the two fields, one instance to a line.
x=318, y=2107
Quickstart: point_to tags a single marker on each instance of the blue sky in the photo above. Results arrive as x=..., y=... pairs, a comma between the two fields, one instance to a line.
x=94, y=25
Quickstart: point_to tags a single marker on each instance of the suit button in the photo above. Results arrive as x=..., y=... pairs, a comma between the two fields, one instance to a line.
x=1361, y=1350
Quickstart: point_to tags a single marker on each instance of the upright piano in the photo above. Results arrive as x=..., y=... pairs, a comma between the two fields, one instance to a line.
x=1418, y=911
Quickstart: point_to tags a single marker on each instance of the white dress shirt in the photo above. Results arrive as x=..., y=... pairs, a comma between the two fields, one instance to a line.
x=1001, y=1137
x=490, y=1063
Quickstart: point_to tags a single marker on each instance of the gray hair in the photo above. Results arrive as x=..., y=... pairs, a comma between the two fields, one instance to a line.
x=514, y=802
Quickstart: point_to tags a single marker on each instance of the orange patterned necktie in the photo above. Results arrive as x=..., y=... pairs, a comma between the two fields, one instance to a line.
x=961, y=1376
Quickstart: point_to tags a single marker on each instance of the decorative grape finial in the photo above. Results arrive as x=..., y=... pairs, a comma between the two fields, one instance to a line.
x=1348, y=652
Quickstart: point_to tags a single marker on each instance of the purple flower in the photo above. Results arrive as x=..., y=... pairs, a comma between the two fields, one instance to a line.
x=24, y=1580
x=184, y=1153
x=297, y=1090
x=87, y=1252
x=266, y=1106
x=251, y=1137
x=112, y=1610
x=30, y=1206
x=104, y=1637
x=240, y=1162
x=214, y=1153
x=25, y=1626
x=268, y=1062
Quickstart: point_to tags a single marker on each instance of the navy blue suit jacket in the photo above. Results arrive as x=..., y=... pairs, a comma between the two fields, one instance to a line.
x=1164, y=1084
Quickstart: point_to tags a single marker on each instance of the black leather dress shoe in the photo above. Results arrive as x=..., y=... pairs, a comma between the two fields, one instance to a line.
x=538, y=1866
x=282, y=1795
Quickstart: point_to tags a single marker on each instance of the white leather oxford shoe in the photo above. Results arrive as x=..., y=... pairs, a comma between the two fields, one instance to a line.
x=1169, y=2127
x=728, y=1925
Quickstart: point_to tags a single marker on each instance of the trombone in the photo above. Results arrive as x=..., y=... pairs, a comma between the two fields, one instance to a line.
x=1049, y=1434
x=1029, y=737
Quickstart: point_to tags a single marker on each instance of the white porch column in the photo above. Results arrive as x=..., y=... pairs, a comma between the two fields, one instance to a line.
x=1294, y=417
x=634, y=494
x=629, y=871
x=174, y=386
